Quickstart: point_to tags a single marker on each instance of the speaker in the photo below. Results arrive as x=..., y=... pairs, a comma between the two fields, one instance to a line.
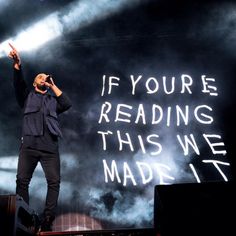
x=195, y=209
x=16, y=218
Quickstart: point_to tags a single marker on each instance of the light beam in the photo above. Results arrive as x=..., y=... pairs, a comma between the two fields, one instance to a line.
x=79, y=14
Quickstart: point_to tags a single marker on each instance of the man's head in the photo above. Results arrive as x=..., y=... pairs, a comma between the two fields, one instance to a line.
x=39, y=82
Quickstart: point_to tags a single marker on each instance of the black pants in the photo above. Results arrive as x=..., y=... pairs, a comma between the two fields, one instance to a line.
x=50, y=162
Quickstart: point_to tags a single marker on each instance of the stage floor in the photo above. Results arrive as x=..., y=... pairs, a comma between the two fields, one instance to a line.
x=120, y=232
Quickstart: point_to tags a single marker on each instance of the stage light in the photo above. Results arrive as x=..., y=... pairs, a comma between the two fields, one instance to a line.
x=40, y=33
x=79, y=14
x=34, y=36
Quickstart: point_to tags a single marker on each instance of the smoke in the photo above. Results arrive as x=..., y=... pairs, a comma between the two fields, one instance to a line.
x=86, y=12
x=4, y=4
x=38, y=184
x=105, y=205
x=113, y=206
x=218, y=28
x=225, y=24
x=8, y=165
x=78, y=15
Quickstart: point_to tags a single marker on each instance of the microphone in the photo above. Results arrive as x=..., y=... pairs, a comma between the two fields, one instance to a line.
x=48, y=79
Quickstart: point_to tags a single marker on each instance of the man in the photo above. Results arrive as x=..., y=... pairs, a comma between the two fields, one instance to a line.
x=40, y=133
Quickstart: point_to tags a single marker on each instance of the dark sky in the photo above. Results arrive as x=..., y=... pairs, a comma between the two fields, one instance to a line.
x=149, y=38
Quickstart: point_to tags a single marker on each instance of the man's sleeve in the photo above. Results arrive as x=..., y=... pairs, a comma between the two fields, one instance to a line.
x=63, y=103
x=20, y=86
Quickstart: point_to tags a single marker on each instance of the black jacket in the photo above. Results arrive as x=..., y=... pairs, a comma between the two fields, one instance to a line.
x=39, y=109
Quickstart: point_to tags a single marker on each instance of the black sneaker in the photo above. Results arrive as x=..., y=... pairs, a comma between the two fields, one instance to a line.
x=46, y=224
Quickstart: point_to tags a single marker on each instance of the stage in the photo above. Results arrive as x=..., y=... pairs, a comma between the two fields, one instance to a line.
x=119, y=232
x=192, y=209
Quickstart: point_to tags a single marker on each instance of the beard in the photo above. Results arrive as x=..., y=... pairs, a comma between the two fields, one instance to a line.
x=42, y=87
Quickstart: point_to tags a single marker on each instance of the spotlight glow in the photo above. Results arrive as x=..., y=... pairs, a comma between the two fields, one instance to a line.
x=79, y=14
x=40, y=33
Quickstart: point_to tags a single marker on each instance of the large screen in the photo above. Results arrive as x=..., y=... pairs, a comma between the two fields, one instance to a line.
x=152, y=90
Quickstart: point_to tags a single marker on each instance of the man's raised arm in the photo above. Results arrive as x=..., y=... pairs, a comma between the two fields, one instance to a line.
x=21, y=90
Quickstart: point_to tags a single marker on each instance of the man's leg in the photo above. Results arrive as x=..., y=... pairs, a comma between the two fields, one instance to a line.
x=51, y=165
x=27, y=163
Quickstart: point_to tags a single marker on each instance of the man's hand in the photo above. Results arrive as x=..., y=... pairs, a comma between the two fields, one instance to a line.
x=15, y=56
x=50, y=83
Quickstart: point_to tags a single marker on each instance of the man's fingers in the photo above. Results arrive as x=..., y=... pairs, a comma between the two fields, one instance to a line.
x=47, y=84
x=12, y=46
x=11, y=54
